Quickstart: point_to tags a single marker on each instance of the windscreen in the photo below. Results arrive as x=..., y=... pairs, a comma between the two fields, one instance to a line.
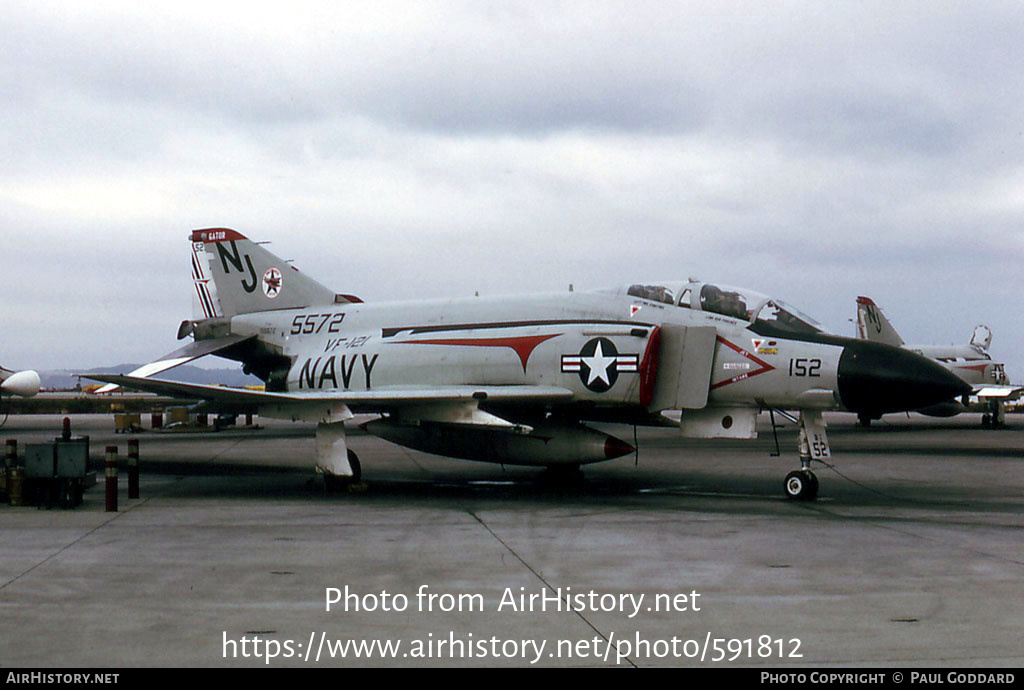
x=778, y=318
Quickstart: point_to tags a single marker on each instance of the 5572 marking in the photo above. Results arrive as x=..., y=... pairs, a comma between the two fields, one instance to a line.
x=306, y=324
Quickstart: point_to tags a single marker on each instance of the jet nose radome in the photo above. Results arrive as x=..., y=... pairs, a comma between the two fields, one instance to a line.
x=875, y=378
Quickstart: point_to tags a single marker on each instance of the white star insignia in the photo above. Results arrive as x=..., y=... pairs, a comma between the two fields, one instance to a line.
x=598, y=365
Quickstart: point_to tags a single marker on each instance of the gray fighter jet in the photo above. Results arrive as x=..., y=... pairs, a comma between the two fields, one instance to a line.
x=513, y=380
x=990, y=385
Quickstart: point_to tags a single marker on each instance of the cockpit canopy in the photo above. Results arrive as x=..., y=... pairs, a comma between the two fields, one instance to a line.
x=764, y=315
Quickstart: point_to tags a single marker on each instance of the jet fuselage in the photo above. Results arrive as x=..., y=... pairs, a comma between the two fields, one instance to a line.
x=603, y=346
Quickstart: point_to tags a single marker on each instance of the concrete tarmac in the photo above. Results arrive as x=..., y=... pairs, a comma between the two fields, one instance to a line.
x=911, y=557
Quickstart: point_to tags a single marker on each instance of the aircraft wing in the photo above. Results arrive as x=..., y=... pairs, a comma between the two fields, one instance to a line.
x=183, y=355
x=378, y=398
x=998, y=392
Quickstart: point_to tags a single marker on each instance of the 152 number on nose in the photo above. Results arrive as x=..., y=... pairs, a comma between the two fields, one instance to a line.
x=805, y=367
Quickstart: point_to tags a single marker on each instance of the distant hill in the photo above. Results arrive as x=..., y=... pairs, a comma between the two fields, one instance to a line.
x=66, y=379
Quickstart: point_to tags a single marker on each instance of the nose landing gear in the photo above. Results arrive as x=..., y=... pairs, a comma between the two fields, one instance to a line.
x=802, y=484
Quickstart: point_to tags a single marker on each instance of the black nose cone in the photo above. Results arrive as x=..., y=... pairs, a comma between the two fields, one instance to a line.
x=876, y=379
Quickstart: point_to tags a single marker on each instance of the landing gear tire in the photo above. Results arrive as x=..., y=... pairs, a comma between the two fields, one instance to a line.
x=357, y=469
x=801, y=485
x=864, y=420
x=333, y=482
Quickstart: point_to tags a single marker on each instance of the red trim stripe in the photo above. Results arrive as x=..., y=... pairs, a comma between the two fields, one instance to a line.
x=216, y=235
x=649, y=367
x=765, y=366
x=522, y=345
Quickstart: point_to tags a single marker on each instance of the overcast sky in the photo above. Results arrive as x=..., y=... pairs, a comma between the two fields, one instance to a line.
x=396, y=150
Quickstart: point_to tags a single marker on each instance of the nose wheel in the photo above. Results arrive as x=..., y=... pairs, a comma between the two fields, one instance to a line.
x=812, y=443
x=801, y=485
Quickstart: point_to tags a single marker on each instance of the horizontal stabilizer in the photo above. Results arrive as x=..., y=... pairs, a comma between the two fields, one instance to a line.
x=183, y=355
x=995, y=392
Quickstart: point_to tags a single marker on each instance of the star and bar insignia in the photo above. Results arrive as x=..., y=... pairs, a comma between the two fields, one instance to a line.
x=599, y=364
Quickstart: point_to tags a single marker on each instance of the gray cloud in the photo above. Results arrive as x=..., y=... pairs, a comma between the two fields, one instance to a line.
x=810, y=151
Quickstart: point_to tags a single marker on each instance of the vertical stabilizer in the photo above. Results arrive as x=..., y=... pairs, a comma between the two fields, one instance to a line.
x=982, y=337
x=872, y=324
x=247, y=278
x=205, y=304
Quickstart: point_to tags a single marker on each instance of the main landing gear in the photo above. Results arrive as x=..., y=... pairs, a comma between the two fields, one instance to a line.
x=334, y=482
x=995, y=417
x=338, y=464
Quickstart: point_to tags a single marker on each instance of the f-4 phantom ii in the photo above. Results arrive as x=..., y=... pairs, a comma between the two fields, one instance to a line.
x=23, y=383
x=512, y=380
x=970, y=361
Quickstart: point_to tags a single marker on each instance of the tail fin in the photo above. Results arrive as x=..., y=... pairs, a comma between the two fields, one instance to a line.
x=872, y=324
x=205, y=304
x=247, y=278
x=982, y=337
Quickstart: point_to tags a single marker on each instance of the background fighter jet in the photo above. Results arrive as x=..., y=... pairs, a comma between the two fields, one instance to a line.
x=23, y=383
x=512, y=380
x=970, y=361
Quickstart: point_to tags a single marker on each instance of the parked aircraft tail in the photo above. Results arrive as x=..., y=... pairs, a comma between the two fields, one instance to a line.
x=247, y=278
x=872, y=324
x=982, y=337
x=234, y=275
